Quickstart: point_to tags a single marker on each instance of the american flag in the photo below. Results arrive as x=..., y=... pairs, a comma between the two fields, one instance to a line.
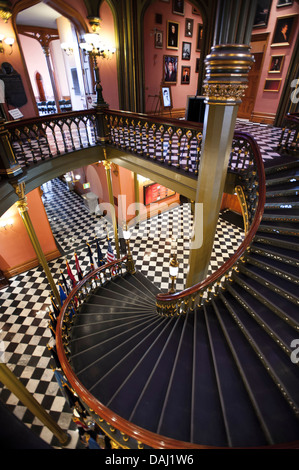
x=110, y=258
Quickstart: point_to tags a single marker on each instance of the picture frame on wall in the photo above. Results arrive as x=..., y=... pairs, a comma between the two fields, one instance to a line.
x=272, y=84
x=276, y=63
x=178, y=7
x=185, y=77
x=199, y=36
x=283, y=31
x=284, y=3
x=170, y=69
x=188, y=27
x=262, y=13
x=186, y=50
x=173, y=29
x=166, y=98
x=158, y=39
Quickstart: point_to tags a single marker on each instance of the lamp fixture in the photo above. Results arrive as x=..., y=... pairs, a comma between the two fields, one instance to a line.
x=67, y=48
x=173, y=271
x=71, y=178
x=7, y=41
x=94, y=46
x=130, y=263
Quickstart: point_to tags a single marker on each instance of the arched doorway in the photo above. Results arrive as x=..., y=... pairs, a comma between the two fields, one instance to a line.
x=41, y=29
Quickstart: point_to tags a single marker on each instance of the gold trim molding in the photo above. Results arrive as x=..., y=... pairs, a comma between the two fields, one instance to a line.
x=224, y=92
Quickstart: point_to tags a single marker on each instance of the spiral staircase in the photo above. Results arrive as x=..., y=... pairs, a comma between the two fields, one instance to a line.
x=220, y=374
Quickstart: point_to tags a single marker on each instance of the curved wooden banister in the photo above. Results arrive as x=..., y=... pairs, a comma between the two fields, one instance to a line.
x=246, y=242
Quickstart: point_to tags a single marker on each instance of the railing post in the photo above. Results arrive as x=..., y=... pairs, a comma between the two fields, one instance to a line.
x=23, y=211
x=227, y=68
x=9, y=166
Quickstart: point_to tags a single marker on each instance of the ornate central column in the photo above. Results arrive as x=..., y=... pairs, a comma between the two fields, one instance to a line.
x=227, y=68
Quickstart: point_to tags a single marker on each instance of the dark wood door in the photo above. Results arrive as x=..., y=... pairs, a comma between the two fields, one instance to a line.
x=248, y=100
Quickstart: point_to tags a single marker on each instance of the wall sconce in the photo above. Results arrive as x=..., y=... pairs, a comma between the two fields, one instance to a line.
x=4, y=223
x=71, y=178
x=8, y=41
x=67, y=48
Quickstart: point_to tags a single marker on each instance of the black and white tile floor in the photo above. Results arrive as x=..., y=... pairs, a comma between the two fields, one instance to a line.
x=24, y=332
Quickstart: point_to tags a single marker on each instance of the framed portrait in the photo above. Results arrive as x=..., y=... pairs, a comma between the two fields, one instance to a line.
x=185, y=77
x=262, y=13
x=283, y=31
x=158, y=39
x=188, y=27
x=173, y=35
x=199, y=36
x=284, y=3
x=178, y=7
x=186, y=50
x=170, y=69
x=272, y=84
x=276, y=64
x=166, y=98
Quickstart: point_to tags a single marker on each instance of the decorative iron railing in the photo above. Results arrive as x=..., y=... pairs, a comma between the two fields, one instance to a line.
x=171, y=142
x=289, y=139
x=43, y=138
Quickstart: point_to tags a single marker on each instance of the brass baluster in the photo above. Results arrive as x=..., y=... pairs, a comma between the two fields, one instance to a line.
x=179, y=134
x=189, y=135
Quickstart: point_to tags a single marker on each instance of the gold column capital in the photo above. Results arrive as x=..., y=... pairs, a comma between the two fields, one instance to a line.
x=107, y=164
x=20, y=192
x=227, y=69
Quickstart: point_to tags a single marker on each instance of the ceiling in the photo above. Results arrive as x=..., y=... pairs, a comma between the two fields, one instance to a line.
x=38, y=15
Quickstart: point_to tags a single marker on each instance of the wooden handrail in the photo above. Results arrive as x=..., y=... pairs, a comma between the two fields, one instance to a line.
x=246, y=242
x=47, y=117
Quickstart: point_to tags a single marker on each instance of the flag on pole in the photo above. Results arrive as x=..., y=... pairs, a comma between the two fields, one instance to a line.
x=56, y=310
x=110, y=258
x=79, y=271
x=90, y=256
x=65, y=282
x=62, y=294
x=69, y=271
x=101, y=260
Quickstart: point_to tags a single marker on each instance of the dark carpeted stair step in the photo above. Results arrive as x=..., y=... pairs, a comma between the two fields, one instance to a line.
x=270, y=377
x=241, y=422
x=281, y=268
x=283, y=176
x=278, y=165
x=94, y=355
x=292, y=205
x=284, y=228
x=130, y=298
x=276, y=253
x=280, y=305
x=281, y=187
x=283, y=287
x=208, y=421
x=278, y=240
x=278, y=329
x=282, y=215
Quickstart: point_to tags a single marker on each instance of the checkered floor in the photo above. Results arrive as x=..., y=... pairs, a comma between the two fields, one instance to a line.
x=24, y=332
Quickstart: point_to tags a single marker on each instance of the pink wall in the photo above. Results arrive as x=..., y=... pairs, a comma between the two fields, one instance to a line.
x=267, y=102
x=16, y=247
x=154, y=56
